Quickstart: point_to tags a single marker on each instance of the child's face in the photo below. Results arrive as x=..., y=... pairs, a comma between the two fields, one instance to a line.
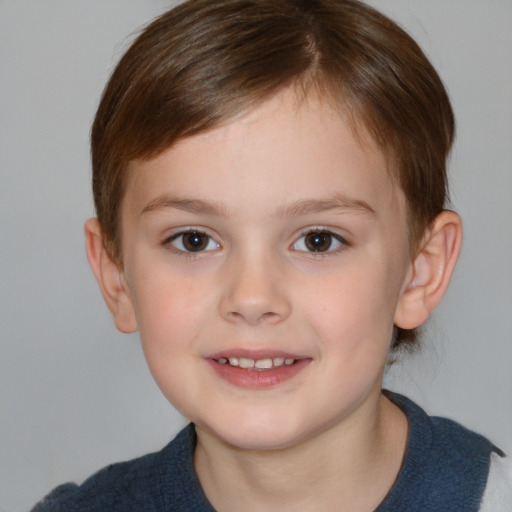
x=274, y=237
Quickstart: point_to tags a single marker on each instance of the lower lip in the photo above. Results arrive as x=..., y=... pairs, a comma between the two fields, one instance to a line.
x=258, y=379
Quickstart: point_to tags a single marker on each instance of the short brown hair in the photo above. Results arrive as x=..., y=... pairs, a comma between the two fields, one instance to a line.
x=205, y=61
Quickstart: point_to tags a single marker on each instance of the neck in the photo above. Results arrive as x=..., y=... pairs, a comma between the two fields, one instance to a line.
x=350, y=466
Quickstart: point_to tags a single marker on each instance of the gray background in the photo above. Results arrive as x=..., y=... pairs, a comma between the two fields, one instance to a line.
x=75, y=394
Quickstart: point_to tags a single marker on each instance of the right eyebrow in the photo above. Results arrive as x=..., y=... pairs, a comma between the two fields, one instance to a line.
x=336, y=203
x=187, y=205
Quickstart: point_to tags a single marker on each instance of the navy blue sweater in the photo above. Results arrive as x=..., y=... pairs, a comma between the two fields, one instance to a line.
x=445, y=470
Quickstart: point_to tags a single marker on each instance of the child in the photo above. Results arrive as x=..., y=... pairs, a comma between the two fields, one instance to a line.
x=270, y=188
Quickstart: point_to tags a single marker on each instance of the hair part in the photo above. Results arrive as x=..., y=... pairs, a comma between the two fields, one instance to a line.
x=204, y=62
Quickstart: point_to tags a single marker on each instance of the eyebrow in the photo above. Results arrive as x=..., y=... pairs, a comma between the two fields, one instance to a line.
x=187, y=205
x=338, y=202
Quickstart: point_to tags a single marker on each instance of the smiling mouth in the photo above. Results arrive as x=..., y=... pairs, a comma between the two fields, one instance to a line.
x=264, y=364
x=257, y=369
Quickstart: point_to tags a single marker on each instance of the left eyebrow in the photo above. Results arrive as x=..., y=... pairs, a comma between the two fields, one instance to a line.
x=340, y=203
x=188, y=205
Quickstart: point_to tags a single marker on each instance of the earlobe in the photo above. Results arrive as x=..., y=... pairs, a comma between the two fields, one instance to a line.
x=110, y=278
x=431, y=271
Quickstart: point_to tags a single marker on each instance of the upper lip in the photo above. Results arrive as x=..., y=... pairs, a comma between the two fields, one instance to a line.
x=254, y=354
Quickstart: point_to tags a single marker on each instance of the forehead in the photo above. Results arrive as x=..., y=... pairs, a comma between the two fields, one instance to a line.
x=288, y=148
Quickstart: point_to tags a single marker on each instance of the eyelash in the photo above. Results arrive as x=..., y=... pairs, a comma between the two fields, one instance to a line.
x=183, y=251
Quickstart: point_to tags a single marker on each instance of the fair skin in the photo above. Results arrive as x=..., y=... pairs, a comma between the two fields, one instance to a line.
x=276, y=240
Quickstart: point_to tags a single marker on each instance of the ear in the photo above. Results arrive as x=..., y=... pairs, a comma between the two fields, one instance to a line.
x=431, y=271
x=110, y=278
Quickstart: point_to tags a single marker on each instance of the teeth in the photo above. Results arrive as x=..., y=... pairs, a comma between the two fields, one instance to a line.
x=246, y=363
x=263, y=364
x=259, y=364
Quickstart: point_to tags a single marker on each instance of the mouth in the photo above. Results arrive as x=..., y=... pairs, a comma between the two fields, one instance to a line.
x=257, y=370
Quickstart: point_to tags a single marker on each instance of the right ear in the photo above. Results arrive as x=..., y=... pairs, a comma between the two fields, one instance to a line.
x=110, y=278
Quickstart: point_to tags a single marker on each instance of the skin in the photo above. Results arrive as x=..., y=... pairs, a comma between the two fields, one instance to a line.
x=254, y=188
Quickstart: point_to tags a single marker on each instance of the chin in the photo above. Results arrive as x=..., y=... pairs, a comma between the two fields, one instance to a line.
x=261, y=441
x=257, y=435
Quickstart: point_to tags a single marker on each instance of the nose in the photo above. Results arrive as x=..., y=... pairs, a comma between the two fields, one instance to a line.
x=254, y=292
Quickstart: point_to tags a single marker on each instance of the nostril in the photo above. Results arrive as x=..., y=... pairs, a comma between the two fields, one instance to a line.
x=270, y=316
x=253, y=298
x=253, y=316
x=235, y=315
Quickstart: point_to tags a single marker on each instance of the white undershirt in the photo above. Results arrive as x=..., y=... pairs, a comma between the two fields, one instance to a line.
x=498, y=492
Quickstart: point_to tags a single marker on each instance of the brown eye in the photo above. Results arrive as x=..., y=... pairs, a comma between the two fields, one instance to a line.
x=194, y=241
x=318, y=241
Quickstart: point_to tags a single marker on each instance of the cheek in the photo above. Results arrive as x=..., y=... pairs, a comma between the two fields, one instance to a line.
x=356, y=309
x=170, y=313
x=171, y=318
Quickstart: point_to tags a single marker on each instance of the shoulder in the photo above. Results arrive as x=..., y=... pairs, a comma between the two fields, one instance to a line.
x=134, y=485
x=498, y=492
x=446, y=466
x=442, y=437
x=120, y=486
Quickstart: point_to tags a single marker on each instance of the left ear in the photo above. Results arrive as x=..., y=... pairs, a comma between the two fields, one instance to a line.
x=431, y=271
